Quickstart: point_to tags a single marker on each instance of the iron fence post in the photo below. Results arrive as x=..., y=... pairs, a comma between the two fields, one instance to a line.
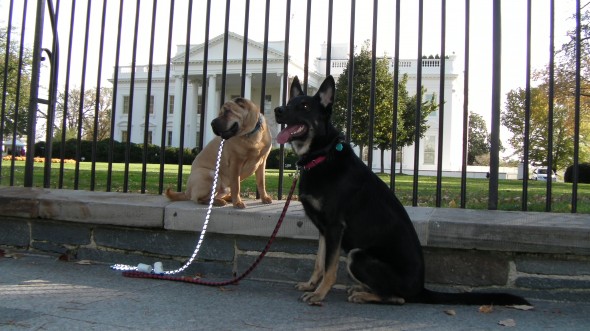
x=34, y=93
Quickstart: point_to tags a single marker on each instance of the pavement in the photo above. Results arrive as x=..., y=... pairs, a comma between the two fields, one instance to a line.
x=40, y=292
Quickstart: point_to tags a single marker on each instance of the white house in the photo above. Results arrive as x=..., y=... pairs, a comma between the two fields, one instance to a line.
x=453, y=110
x=453, y=96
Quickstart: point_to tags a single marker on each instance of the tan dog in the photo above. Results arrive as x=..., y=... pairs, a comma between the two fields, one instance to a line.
x=245, y=150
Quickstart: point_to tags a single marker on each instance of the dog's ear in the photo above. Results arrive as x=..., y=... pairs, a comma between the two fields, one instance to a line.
x=295, y=88
x=326, y=92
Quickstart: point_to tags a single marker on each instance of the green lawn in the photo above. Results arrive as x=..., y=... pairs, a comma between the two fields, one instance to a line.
x=510, y=191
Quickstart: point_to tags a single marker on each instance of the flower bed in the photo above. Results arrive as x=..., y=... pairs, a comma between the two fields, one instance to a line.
x=37, y=159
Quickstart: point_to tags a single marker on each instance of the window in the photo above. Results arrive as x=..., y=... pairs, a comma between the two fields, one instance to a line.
x=427, y=98
x=171, y=105
x=126, y=104
x=429, y=149
x=198, y=138
x=124, y=136
x=151, y=104
x=199, y=104
x=149, y=138
x=169, y=139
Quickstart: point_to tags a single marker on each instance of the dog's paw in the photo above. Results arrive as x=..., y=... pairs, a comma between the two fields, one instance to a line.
x=266, y=200
x=355, y=288
x=362, y=297
x=306, y=286
x=219, y=202
x=367, y=297
x=312, y=297
x=239, y=205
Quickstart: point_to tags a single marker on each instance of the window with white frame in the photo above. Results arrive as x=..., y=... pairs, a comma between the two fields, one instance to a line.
x=125, y=104
x=427, y=98
x=429, y=149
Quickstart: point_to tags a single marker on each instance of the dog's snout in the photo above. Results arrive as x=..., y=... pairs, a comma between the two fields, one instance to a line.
x=215, y=127
x=279, y=110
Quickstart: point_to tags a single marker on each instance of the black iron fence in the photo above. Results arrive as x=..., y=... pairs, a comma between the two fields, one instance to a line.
x=124, y=82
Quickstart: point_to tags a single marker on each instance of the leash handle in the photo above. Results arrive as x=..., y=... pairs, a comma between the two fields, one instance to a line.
x=142, y=269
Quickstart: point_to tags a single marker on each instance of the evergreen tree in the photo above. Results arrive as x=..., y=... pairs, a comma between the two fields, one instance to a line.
x=384, y=108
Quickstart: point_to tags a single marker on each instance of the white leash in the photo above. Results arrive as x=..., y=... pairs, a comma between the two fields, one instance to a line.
x=157, y=268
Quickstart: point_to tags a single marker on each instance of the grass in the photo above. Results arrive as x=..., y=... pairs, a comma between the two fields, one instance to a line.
x=510, y=191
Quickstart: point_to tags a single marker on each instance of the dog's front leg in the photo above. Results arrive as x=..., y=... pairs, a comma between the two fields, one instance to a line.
x=261, y=183
x=318, y=270
x=235, y=184
x=332, y=252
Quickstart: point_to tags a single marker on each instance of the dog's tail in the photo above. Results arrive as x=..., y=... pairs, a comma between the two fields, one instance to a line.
x=469, y=298
x=176, y=196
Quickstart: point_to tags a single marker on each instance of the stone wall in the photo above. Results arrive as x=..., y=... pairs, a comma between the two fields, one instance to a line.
x=542, y=254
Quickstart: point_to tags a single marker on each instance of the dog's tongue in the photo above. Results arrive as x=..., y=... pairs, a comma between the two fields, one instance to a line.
x=285, y=135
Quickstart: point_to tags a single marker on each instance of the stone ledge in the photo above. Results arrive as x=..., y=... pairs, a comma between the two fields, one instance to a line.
x=530, y=232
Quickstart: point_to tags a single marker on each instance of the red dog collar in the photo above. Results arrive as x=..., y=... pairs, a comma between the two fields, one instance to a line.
x=314, y=162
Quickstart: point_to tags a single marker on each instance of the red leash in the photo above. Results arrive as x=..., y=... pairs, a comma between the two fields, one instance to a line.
x=138, y=274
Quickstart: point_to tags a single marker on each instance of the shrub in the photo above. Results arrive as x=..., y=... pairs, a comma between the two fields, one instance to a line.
x=274, y=157
x=103, y=147
x=583, y=173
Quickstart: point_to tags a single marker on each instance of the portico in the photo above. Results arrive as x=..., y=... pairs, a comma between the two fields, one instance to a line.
x=188, y=121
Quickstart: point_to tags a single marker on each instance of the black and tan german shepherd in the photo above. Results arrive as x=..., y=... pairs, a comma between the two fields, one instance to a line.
x=355, y=210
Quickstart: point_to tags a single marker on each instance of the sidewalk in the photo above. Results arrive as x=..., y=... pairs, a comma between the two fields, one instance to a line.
x=39, y=292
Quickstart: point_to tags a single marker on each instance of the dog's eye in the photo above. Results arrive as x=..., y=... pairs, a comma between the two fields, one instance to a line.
x=306, y=107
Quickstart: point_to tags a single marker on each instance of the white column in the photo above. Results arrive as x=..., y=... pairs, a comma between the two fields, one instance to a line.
x=212, y=107
x=194, y=117
x=177, y=112
x=248, y=87
x=280, y=89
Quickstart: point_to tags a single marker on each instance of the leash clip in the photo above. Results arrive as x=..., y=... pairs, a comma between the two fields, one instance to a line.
x=297, y=173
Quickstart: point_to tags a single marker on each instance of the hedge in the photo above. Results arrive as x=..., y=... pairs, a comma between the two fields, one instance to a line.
x=136, y=153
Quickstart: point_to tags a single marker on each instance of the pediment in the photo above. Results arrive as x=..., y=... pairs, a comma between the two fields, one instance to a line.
x=234, y=52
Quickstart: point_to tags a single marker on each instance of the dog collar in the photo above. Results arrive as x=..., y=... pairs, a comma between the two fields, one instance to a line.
x=257, y=127
x=313, y=163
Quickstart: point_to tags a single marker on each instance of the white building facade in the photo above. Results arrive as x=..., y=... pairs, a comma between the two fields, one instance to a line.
x=169, y=132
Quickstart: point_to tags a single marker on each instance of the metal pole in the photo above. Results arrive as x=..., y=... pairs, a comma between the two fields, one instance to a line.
x=34, y=93
x=496, y=77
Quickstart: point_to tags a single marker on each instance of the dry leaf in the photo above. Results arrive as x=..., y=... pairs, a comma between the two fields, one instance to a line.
x=450, y=312
x=64, y=257
x=486, y=309
x=507, y=322
x=84, y=262
x=13, y=255
x=521, y=307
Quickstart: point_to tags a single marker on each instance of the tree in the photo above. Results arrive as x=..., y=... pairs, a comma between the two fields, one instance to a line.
x=384, y=87
x=72, y=114
x=18, y=84
x=479, y=139
x=563, y=127
x=564, y=105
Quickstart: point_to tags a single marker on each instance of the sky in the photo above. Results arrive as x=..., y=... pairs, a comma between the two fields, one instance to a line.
x=513, y=33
